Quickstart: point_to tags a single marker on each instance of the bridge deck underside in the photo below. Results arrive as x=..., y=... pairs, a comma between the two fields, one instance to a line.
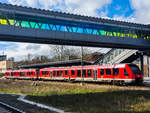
x=22, y=25
x=58, y=37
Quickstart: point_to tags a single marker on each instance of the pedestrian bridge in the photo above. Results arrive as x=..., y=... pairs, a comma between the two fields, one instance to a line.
x=22, y=24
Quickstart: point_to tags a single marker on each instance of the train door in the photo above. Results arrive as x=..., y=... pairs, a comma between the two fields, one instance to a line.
x=115, y=73
x=38, y=73
x=94, y=74
x=51, y=74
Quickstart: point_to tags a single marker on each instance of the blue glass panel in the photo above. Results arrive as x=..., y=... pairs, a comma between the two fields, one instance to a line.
x=80, y=30
x=62, y=28
x=65, y=29
x=58, y=27
x=89, y=31
x=95, y=32
x=53, y=27
x=74, y=29
x=43, y=26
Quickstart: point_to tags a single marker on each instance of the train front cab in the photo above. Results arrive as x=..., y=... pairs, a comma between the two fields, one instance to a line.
x=134, y=73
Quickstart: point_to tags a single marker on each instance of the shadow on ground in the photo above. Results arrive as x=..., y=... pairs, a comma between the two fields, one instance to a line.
x=126, y=101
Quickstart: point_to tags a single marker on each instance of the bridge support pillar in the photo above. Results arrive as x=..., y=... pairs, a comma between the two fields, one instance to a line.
x=148, y=65
x=142, y=63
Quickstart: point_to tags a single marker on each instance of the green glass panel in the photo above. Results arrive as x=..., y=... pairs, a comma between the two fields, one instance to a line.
x=17, y=23
x=36, y=26
x=102, y=32
x=32, y=24
x=25, y=24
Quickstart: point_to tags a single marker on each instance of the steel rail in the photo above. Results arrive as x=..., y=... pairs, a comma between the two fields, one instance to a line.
x=11, y=108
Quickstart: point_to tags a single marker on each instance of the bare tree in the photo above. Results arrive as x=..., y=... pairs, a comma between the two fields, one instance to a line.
x=62, y=53
x=57, y=50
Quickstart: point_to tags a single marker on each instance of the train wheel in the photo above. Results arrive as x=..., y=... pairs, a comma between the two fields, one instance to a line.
x=113, y=82
x=124, y=83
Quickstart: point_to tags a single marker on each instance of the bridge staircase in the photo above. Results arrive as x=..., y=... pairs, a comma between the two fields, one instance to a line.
x=115, y=56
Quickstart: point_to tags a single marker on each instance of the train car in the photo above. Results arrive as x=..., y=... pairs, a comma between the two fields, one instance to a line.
x=56, y=73
x=21, y=74
x=116, y=74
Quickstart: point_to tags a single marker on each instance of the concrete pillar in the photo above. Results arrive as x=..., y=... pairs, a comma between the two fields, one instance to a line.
x=148, y=67
x=142, y=64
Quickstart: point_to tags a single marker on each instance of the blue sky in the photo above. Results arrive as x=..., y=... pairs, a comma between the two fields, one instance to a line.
x=120, y=7
x=126, y=10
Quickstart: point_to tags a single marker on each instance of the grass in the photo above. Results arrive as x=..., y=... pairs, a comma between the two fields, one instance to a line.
x=87, y=98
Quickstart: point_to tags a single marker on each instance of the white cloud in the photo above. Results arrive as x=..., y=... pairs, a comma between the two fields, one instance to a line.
x=20, y=50
x=141, y=10
x=84, y=7
x=123, y=18
x=16, y=2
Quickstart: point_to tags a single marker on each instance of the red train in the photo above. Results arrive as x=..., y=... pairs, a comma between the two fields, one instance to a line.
x=117, y=73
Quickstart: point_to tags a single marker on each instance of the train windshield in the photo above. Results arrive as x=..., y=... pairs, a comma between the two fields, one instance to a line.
x=135, y=69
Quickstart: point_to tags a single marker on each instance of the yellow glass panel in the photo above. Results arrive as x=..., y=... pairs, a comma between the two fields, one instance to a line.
x=12, y=22
x=115, y=34
x=3, y=21
x=135, y=36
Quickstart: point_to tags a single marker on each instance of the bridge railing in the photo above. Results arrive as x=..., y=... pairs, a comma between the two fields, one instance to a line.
x=116, y=56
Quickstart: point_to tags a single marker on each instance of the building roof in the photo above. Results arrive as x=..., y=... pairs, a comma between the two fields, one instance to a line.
x=56, y=64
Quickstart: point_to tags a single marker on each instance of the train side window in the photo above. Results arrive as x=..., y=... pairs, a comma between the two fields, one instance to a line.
x=115, y=71
x=43, y=73
x=54, y=73
x=78, y=73
x=102, y=71
x=21, y=74
x=108, y=71
x=50, y=73
x=126, y=73
x=58, y=73
x=83, y=73
x=46, y=73
x=12, y=74
x=66, y=72
x=89, y=73
x=7, y=73
x=61, y=73
x=72, y=72
x=94, y=73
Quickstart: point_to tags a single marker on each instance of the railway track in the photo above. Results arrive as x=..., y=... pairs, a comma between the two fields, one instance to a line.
x=9, y=109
